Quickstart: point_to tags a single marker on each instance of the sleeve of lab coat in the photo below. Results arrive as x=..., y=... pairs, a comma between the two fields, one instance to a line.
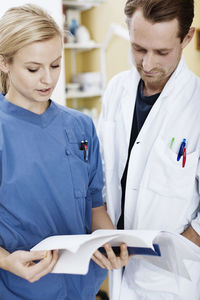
x=110, y=107
x=100, y=129
x=196, y=222
x=100, y=135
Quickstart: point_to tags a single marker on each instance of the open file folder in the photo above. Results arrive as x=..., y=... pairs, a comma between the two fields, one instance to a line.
x=164, y=249
x=155, y=250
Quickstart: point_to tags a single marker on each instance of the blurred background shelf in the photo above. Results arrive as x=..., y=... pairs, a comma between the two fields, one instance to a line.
x=82, y=5
x=83, y=94
x=82, y=46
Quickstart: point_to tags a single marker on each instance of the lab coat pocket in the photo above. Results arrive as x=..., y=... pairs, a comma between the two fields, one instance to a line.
x=165, y=175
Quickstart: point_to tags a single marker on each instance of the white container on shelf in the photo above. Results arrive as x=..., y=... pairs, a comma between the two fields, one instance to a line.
x=82, y=34
x=72, y=87
x=89, y=81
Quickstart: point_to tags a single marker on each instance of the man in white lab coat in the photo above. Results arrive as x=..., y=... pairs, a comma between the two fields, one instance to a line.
x=149, y=131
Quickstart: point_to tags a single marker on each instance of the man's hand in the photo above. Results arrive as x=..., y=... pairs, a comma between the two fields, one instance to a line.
x=110, y=260
x=192, y=235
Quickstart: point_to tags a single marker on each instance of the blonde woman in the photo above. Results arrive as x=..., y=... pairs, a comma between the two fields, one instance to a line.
x=48, y=184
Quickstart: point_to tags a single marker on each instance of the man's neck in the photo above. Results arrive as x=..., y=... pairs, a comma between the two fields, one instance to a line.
x=153, y=88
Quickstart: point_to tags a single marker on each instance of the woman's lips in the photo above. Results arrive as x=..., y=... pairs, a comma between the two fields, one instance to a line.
x=44, y=91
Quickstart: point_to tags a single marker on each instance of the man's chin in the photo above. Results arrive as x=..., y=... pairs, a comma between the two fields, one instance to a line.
x=152, y=78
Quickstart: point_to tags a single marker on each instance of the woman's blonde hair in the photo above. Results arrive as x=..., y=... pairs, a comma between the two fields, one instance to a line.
x=20, y=26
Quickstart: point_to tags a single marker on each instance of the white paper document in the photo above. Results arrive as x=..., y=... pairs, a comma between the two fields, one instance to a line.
x=164, y=249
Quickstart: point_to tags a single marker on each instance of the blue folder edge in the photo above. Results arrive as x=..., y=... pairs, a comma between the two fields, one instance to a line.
x=136, y=250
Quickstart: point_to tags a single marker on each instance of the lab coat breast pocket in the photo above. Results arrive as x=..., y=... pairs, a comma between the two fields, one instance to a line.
x=165, y=175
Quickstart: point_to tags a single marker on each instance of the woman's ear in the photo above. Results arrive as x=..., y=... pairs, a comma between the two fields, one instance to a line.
x=4, y=67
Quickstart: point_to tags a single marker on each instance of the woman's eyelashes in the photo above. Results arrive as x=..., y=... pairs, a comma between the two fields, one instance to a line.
x=32, y=70
x=55, y=66
x=35, y=70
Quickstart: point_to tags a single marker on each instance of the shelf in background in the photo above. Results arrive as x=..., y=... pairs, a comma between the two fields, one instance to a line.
x=82, y=46
x=83, y=94
x=82, y=5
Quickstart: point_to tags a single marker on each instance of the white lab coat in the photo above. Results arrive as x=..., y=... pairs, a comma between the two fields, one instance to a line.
x=160, y=193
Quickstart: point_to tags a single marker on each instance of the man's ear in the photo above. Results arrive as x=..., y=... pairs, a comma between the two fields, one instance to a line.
x=4, y=67
x=188, y=37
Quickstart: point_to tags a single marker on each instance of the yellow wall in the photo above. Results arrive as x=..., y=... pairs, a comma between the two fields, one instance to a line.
x=192, y=55
x=98, y=20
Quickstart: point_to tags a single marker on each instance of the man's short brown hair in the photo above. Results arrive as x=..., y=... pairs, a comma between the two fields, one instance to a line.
x=164, y=10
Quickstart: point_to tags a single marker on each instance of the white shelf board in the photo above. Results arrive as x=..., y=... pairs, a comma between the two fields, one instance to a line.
x=83, y=94
x=82, y=46
x=82, y=5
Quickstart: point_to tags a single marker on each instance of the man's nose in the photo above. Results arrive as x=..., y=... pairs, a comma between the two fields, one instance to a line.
x=148, y=62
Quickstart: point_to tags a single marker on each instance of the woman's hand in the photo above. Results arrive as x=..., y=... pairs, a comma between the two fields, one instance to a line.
x=22, y=263
x=111, y=261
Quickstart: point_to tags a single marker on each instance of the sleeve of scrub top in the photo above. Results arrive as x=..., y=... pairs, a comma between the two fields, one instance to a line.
x=96, y=174
x=196, y=222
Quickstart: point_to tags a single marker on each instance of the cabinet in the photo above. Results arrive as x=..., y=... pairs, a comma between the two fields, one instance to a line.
x=82, y=84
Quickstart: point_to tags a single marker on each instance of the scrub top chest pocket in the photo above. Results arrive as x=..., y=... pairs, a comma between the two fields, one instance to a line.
x=166, y=176
x=77, y=150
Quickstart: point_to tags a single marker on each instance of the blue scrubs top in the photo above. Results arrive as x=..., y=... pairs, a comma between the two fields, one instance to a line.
x=47, y=188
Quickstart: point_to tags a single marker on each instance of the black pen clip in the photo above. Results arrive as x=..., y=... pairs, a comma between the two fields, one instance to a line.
x=84, y=147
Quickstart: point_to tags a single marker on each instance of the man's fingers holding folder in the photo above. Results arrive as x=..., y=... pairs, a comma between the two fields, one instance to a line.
x=117, y=261
x=101, y=260
x=110, y=260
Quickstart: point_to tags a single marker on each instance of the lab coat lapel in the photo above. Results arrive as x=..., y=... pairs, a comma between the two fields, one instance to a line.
x=127, y=104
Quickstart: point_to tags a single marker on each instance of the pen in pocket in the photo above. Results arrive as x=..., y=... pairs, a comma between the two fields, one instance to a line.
x=181, y=149
x=181, y=152
x=171, y=144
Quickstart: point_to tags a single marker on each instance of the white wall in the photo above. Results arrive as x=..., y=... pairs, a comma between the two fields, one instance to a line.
x=54, y=7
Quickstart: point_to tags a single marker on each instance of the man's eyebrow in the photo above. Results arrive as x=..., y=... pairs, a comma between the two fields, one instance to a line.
x=161, y=49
